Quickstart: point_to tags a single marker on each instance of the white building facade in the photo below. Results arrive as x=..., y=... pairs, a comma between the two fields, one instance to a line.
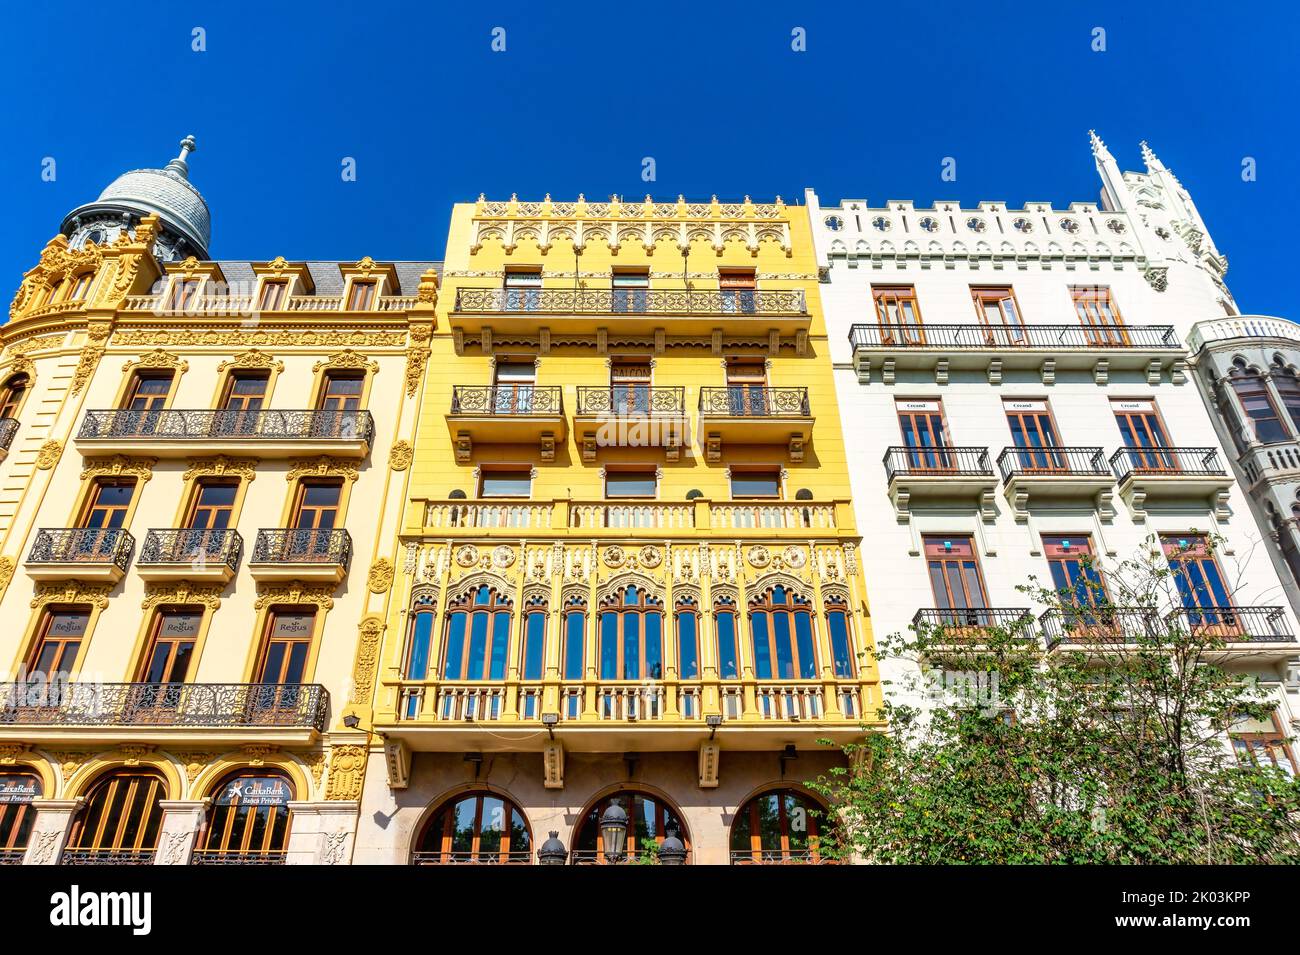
x=1018, y=390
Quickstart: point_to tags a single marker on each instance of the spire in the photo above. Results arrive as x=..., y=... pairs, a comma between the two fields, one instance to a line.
x=1150, y=158
x=179, y=165
x=1112, y=182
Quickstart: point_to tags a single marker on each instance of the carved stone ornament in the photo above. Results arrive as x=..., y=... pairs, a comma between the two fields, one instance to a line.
x=503, y=556
x=347, y=771
x=400, y=455
x=615, y=556
x=48, y=455
x=794, y=557
x=467, y=555
x=253, y=358
x=380, y=577
x=648, y=556
x=222, y=466
x=759, y=556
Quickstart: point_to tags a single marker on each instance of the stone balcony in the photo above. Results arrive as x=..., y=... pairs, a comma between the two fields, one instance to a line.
x=1056, y=474
x=939, y=474
x=1160, y=474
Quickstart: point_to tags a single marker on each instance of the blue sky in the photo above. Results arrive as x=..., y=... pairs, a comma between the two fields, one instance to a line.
x=712, y=91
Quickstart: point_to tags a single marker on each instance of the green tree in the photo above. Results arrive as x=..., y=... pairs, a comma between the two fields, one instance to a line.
x=1106, y=743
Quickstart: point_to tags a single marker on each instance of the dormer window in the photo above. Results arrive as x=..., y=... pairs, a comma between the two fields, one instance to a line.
x=274, y=294
x=361, y=297
x=81, y=286
x=183, y=294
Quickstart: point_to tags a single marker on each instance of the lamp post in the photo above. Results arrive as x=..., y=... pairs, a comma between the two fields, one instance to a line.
x=613, y=831
x=552, y=851
x=671, y=850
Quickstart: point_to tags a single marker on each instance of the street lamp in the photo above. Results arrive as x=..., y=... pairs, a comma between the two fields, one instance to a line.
x=613, y=831
x=552, y=851
x=671, y=850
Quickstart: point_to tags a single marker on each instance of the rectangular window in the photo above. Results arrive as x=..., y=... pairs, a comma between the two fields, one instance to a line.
x=110, y=499
x=1099, y=317
x=183, y=294
x=1000, y=315
x=1074, y=573
x=213, y=506
x=747, y=394
x=755, y=483
x=11, y=395
x=955, y=577
x=514, y=387
x=506, y=483
x=317, y=506
x=361, y=296
x=1260, y=743
x=737, y=288
x=1200, y=582
x=1143, y=433
x=629, y=382
x=287, y=643
x=58, y=638
x=924, y=430
x=523, y=290
x=898, y=314
x=1033, y=429
x=342, y=391
x=81, y=286
x=148, y=391
x=630, y=482
x=630, y=290
x=1285, y=382
x=1257, y=403
x=171, y=646
x=245, y=392
x=273, y=296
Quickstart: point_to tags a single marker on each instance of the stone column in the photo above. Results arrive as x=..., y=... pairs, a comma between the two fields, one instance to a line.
x=322, y=833
x=50, y=830
x=182, y=819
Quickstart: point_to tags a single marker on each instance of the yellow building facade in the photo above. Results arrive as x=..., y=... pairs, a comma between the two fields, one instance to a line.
x=203, y=474
x=627, y=572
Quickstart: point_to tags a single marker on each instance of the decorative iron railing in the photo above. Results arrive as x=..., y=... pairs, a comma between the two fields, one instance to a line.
x=637, y=857
x=196, y=546
x=778, y=857
x=752, y=401
x=507, y=400
x=107, y=856
x=264, y=425
x=1052, y=462
x=55, y=703
x=8, y=428
x=222, y=857
x=12, y=856
x=631, y=400
x=482, y=857
x=82, y=545
x=901, y=461
x=1100, y=625
x=1234, y=624
x=975, y=337
x=297, y=545
x=1166, y=462
x=970, y=624
x=610, y=301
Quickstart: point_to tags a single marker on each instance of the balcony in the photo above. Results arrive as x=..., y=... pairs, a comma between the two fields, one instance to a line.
x=113, y=857
x=1165, y=475
x=319, y=555
x=482, y=857
x=1100, y=627
x=681, y=311
x=607, y=518
x=1254, y=631
x=8, y=429
x=105, y=712
x=884, y=350
x=263, y=433
x=744, y=414
x=632, y=416
x=234, y=857
x=1262, y=632
x=506, y=414
x=1057, y=474
x=87, y=553
x=1206, y=334
x=596, y=715
x=778, y=857
x=190, y=553
x=969, y=629
x=941, y=475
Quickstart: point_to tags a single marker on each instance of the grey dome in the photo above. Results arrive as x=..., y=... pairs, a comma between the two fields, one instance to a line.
x=166, y=193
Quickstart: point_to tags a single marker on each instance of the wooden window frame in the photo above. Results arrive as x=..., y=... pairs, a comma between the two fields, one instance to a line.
x=647, y=605
x=498, y=604
x=757, y=851
x=138, y=789
x=218, y=827
x=446, y=812
x=900, y=333
x=763, y=605
x=1086, y=299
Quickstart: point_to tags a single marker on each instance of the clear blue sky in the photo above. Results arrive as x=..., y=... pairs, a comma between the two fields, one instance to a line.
x=712, y=91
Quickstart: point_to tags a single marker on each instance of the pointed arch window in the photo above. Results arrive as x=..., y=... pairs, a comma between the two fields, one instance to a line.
x=838, y=628
x=724, y=630
x=687, y=614
x=781, y=628
x=631, y=635
x=478, y=636
x=532, y=659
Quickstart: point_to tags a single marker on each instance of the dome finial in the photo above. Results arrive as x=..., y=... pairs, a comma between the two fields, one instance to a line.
x=179, y=165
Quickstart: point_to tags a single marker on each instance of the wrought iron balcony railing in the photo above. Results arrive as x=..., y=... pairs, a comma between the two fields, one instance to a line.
x=611, y=301
x=977, y=337
x=1100, y=625
x=969, y=624
x=507, y=400
x=8, y=428
x=631, y=400
x=296, y=545
x=1235, y=624
x=778, y=857
x=264, y=425
x=192, y=545
x=637, y=857
x=82, y=545
x=205, y=705
x=107, y=857
x=750, y=401
x=482, y=857
x=1166, y=462
x=222, y=857
x=12, y=856
x=1052, y=462
x=902, y=461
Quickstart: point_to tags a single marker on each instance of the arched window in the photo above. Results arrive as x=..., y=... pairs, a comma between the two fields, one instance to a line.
x=478, y=828
x=533, y=657
x=1288, y=387
x=11, y=395
x=1252, y=392
x=648, y=820
x=724, y=628
x=17, y=790
x=837, y=625
x=575, y=631
x=249, y=822
x=478, y=636
x=687, y=614
x=631, y=635
x=780, y=623
x=777, y=827
x=419, y=637
x=119, y=823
